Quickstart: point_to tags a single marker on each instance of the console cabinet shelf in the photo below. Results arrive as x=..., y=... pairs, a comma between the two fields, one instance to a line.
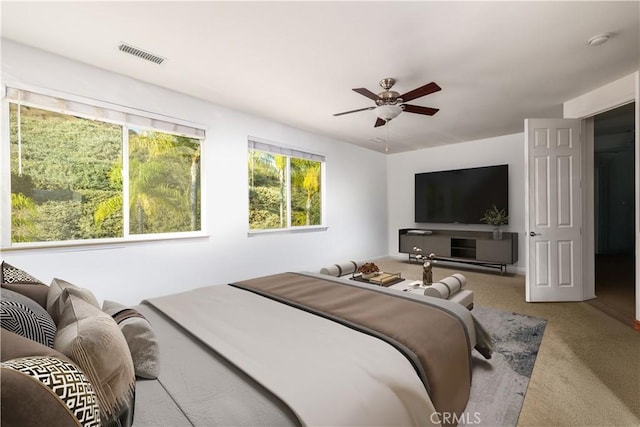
x=471, y=247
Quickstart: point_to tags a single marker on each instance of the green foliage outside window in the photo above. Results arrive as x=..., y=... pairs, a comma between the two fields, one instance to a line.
x=305, y=192
x=67, y=183
x=164, y=177
x=272, y=177
x=267, y=190
x=24, y=218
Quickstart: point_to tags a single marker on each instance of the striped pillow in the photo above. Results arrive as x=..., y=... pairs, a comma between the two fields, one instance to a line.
x=140, y=337
x=25, y=317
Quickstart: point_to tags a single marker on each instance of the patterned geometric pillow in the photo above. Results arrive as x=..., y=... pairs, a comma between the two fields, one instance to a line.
x=47, y=390
x=11, y=274
x=26, y=317
x=22, y=282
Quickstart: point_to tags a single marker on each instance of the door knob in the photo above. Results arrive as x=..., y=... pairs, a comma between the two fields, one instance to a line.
x=532, y=234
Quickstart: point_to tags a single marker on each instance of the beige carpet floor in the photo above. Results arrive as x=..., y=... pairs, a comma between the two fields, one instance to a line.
x=588, y=368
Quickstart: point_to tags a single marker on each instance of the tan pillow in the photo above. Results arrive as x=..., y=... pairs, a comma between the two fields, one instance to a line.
x=57, y=297
x=93, y=340
x=15, y=346
x=140, y=337
x=36, y=291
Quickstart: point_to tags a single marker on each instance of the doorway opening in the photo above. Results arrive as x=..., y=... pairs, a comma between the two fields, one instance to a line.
x=614, y=216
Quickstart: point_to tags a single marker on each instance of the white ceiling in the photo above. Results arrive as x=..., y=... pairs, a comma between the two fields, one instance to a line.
x=296, y=62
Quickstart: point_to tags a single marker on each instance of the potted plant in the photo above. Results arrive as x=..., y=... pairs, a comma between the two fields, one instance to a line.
x=495, y=217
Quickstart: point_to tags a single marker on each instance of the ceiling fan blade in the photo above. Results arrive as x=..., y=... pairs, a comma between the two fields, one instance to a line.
x=367, y=93
x=427, y=111
x=380, y=122
x=421, y=91
x=354, y=111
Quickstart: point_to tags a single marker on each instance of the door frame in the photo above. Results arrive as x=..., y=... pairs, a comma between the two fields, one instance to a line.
x=585, y=107
x=588, y=210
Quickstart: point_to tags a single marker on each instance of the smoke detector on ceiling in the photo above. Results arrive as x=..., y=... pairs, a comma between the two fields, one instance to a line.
x=142, y=54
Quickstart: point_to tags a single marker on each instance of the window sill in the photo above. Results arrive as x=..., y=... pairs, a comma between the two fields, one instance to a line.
x=296, y=230
x=98, y=244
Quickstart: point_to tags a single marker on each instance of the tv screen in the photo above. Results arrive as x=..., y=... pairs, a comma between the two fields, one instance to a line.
x=461, y=196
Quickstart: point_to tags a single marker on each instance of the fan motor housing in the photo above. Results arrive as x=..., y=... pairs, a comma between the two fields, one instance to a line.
x=388, y=97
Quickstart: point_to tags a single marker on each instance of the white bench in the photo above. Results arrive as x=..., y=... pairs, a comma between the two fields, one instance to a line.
x=451, y=288
x=448, y=288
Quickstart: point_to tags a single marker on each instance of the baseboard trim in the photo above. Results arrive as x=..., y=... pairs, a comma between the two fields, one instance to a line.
x=636, y=325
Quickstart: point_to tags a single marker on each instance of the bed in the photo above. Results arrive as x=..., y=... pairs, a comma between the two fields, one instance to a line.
x=288, y=349
x=305, y=349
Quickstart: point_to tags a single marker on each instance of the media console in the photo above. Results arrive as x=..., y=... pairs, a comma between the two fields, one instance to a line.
x=470, y=247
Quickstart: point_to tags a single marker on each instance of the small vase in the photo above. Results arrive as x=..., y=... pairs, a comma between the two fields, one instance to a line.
x=497, y=233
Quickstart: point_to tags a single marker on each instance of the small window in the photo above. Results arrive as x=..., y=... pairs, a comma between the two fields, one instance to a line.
x=285, y=188
x=70, y=174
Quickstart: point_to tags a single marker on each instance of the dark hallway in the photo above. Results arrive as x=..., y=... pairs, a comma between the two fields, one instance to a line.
x=615, y=286
x=614, y=179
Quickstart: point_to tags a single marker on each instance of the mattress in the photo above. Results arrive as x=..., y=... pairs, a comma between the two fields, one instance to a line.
x=220, y=366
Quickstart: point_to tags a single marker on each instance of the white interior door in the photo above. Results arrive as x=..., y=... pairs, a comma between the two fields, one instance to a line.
x=554, y=208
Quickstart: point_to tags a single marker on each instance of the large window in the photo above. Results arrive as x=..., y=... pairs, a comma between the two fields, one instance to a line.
x=73, y=165
x=285, y=187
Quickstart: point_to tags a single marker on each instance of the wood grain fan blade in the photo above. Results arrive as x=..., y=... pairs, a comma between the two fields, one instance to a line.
x=354, y=111
x=421, y=91
x=427, y=111
x=367, y=93
x=380, y=122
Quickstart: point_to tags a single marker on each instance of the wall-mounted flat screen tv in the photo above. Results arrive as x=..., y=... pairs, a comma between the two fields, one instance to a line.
x=461, y=196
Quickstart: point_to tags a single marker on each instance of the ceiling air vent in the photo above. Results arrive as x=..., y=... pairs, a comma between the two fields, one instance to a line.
x=147, y=56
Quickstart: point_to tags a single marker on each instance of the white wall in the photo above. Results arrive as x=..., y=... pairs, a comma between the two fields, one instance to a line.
x=402, y=167
x=129, y=272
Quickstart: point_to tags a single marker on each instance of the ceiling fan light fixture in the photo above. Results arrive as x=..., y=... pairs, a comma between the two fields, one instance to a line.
x=388, y=112
x=389, y=104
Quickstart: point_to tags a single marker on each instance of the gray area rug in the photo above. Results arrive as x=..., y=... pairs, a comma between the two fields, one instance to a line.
x=500, y=383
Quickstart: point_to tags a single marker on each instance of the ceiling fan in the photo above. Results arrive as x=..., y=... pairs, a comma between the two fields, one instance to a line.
x=389, y=103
